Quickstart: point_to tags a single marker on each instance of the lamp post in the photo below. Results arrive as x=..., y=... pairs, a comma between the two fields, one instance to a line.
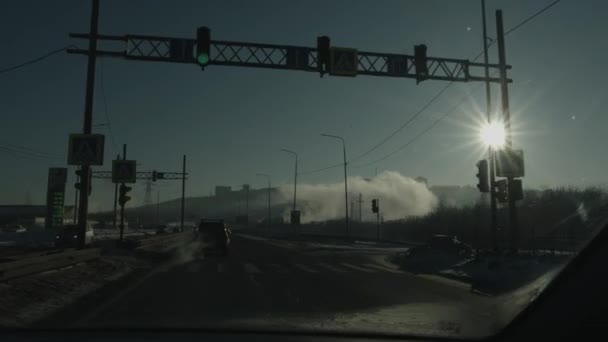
x=268, y=177
x=345, y=178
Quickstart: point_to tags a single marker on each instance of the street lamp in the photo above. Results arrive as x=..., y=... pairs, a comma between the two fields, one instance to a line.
x=345, y=178
x=268, y=177
x=295, y=177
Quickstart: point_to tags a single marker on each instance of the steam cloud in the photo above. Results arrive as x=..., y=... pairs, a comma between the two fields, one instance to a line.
x=399, y=197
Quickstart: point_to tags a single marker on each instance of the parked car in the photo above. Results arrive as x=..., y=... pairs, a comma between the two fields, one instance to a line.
x=13, y=228
x=214, y=235
x=162, y=229
x=445, y=244
x=67, y=236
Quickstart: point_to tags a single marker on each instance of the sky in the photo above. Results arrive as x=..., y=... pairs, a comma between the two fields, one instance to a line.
x=231, y=122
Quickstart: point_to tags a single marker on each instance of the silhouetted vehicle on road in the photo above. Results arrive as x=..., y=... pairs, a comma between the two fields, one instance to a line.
x=214, y=236
x=68, y=235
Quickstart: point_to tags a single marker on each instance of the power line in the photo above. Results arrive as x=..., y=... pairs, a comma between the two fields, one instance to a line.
x=492, y=42
x=532, y=17
x=105, y=105
x=419, y=135
x=405, y=124
x=321, y=169
x=36, y=60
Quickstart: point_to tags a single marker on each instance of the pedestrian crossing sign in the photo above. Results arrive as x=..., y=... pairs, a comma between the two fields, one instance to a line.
x=123, y=171
x=86, y=149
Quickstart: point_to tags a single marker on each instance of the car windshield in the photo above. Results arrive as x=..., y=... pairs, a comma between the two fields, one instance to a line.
x=416, y=167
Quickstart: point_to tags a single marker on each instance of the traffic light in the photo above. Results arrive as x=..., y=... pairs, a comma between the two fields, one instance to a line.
x=501, y=190
x=420, y=63
x=323, y=60
x=375, y=208
x=123, y=198
x=154, y=176
x=516, y=190
x=203, y=45
x=79, y=173
x=482, y=176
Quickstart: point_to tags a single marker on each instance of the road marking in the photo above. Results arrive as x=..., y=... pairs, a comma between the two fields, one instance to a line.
x=382, y=268
x=251, y=268
x=221, y=267
x=332, y=268
x=305, y=268
x=357, y=268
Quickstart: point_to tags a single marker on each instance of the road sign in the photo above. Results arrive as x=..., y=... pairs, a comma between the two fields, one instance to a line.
x=55, y=196
x=86, y=149
x=124, y=171
x=510, y=163
x=344, y=62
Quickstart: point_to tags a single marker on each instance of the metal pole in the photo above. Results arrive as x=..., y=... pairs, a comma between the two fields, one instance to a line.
x=360, y=206
x=157, y=207
x=115, y=200
x=493, y=206
x=345, y=189
x=269, y=217
x=76, y=200
x=502, y=60
x=88, y=119
x=247, y=204
x=378, y=220
x=295, y=183
x=183, y=191
x=122, y=206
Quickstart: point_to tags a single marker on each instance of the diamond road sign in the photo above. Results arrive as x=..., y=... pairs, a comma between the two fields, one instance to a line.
x=123, y=171
x=85, y=149
x=344, y=62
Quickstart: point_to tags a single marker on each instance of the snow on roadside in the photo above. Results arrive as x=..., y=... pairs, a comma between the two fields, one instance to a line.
x=26, y=300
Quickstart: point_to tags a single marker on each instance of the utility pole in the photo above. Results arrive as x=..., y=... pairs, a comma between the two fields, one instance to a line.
x=378, y=220
x=76, y=199
x=268, y=222
x=247, y=204
x=502, y=61
x=345, y=180
x=115, y=200
x=122, y=206
x=493, y=206
x=183, y=192
x=157, y=207
x=360, y=206
x=88, y=121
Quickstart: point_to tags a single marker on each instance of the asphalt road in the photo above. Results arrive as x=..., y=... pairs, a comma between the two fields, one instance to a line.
x=277, y=286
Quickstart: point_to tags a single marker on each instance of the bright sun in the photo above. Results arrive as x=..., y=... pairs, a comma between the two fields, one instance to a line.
x=493, y=134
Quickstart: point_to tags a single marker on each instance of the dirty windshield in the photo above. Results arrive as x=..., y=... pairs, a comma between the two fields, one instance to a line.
x=405, y=167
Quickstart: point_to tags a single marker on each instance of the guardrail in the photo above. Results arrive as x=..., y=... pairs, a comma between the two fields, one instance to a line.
x=37, y=264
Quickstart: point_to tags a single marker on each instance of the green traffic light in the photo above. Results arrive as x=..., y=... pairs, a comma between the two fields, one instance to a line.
x=203, y=58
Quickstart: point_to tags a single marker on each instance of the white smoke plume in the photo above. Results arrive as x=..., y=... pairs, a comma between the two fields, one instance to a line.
x=399, y=197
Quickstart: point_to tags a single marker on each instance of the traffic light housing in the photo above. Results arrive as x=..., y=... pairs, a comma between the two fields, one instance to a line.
x=323, y=58
x=154, y=176
x=482, y=176
x=123, y=198
x=203, y=46
x=375, y=208
x=420, y=63
x=501, y=190
x=516, y=190
x=79, y=174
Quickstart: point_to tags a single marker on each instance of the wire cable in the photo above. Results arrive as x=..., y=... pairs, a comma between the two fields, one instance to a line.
x=36, y=60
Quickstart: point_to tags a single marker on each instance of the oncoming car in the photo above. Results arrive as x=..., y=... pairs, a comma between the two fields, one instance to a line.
x=67, y=236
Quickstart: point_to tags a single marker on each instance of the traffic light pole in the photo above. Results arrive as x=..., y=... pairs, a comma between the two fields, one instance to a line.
x=493, y=206
x=115, y=199
x=507, y=122
x=122, y=204
x=183, y=192
x=88, y=120
x=378, y=220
